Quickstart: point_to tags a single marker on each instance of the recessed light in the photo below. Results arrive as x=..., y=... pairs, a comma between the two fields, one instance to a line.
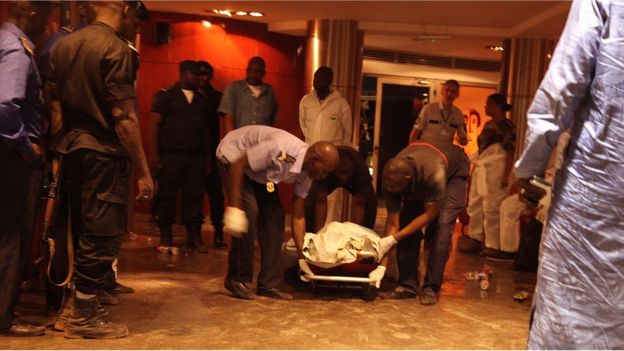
x=241, y=13
x=495, y=47
x=256, y=14
x=206, y=23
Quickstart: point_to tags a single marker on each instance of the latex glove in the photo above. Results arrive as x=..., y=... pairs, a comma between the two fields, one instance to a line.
x=377, y=275
x=235, y=222
x=303, y=266
x=385, y=244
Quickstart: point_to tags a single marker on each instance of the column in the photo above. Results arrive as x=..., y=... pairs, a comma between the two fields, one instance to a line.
x=337, y=44
x=525, y=62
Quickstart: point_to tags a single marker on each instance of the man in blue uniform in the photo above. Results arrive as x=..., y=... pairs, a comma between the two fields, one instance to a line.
x=20, y=132
x=253, y=160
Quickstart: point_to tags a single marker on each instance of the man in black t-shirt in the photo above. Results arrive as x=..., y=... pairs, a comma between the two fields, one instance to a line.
x=424, y=185
x=91, y=75
x=177, y=152
x=351, y=174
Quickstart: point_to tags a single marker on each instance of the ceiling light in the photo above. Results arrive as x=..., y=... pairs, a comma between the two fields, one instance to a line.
x=241, y=13
x=206, y=23
x=225, y=13
x=495, y=47
x=256, y=14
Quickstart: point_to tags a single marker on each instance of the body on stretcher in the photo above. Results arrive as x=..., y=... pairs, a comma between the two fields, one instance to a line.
x=341, y=252
x=354, y=272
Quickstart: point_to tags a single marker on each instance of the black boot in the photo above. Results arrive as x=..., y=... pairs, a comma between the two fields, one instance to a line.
x=195, y=240
x=219, y=242
x=88, y=321
x=166, y=236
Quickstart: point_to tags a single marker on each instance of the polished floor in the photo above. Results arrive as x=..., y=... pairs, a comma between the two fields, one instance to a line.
x=180, y=303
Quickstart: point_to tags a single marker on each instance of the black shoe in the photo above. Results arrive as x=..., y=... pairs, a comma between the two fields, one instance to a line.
x=198, y=246
x=68, y=311
x=428, y=297
x=107, y=299
x=274, y=293
x=166, y=236
x=87, y=321
x=499, y=256
x=21, y=328
x=196, y=243
x=467, y=244
x=398, y=294
x=120, y=289
x=239, y=290
x=219, y=242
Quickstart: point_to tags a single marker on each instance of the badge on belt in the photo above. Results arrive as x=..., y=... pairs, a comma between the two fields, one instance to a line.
x=270, y=187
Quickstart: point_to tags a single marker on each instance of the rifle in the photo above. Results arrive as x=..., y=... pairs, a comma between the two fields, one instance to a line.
x=50, y=232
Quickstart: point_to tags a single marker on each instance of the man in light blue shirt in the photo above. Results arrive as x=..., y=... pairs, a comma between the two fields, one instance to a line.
x=253, y=160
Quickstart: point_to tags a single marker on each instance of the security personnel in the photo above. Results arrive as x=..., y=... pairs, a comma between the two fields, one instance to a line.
x=253, y=160
x=177, y=153
x=352, y=175
x=440, y=121
x=91, y=72
x=424, y=185
x=20, y=130
x=214, y=186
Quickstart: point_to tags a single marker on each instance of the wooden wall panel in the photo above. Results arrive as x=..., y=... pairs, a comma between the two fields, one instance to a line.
x=227, y=47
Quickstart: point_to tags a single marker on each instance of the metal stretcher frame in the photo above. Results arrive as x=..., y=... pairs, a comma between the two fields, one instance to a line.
x=362, y=255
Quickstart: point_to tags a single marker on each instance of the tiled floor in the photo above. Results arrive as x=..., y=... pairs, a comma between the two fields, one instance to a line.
x=180, y=303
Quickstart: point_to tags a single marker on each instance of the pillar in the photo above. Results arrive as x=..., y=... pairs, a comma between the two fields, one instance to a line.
x=339, y=45
x=525, y=62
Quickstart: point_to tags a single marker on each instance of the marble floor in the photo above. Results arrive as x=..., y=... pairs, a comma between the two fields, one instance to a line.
x=180, y=303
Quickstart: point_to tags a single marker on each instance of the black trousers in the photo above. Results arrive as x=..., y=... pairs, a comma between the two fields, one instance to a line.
x=14, y=246
x=214, y=189
x=98, y=187
x=370, y=210
x=266, y=223
x=185, y=171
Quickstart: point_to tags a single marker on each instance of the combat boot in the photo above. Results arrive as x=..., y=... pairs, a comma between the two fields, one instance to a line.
x=68, y=310
x=219, y=242
x=195, y=240
x=88, y=320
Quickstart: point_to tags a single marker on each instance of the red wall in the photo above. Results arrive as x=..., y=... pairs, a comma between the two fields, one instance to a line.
x=228, y=50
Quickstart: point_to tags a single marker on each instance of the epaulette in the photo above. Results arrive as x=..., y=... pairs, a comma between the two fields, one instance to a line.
x=26, y=46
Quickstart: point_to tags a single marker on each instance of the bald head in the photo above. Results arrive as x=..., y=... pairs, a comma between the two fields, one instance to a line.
x=321, y=159
x=396, y=175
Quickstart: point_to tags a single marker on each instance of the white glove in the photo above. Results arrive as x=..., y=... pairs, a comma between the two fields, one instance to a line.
x=377, y=275
x=385, y=244
x=303, y=266
x=235, y=222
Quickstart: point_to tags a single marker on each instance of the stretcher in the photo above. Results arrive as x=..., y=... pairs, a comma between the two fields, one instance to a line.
x=347, y=275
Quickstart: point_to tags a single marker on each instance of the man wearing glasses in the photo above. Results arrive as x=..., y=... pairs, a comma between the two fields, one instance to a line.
x=176, y=135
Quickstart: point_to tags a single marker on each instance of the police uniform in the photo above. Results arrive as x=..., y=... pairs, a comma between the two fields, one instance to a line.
x=359, y=185
x=275, y=156
x=439, y=174
x=20, y=127
x=181, y=149
x=440, y=125
x=92, y=68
